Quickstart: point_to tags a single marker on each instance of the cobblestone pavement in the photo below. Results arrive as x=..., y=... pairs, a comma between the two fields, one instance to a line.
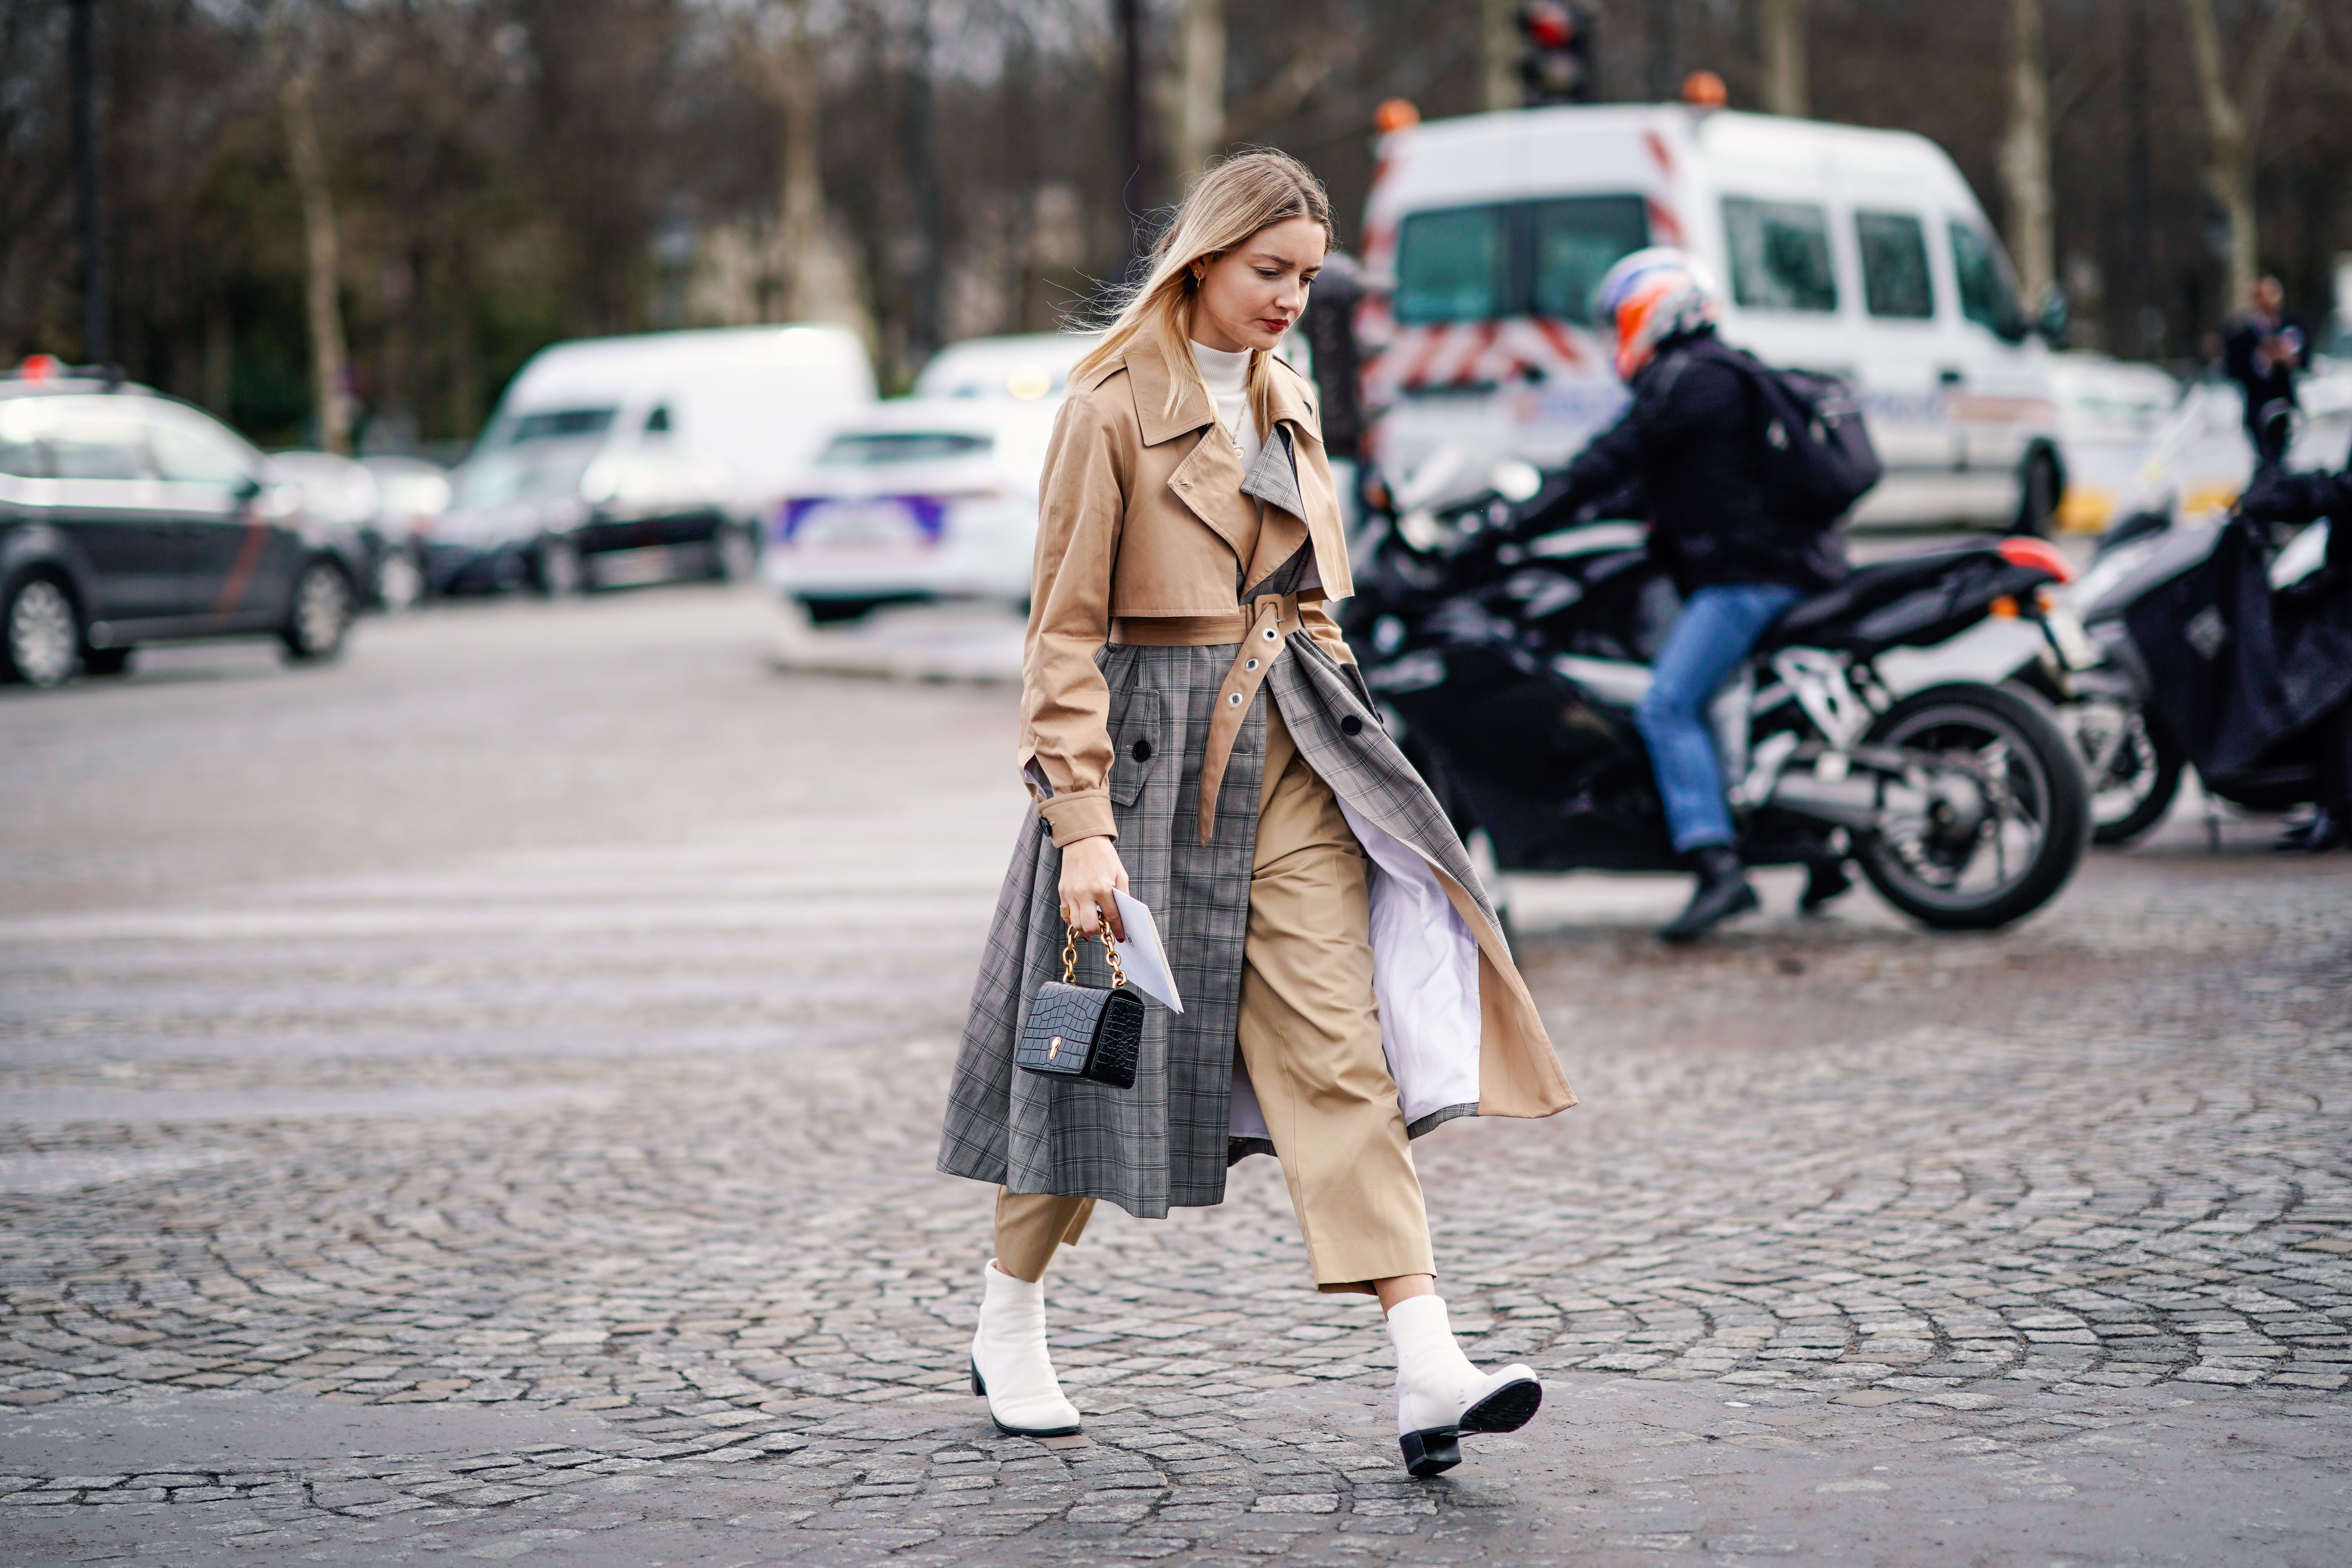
x=503, y=1131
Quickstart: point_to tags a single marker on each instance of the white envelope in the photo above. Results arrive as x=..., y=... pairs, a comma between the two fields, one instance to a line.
x=1141, y=955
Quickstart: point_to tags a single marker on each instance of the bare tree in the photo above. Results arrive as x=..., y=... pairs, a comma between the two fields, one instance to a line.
x=322, y=242
x=1199, y=87
x=2234, y=114
x=1498, y=54
x=1780, y=37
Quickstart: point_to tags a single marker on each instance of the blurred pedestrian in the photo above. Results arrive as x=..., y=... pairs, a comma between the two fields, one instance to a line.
x=1195, y=732
x=2261, y=351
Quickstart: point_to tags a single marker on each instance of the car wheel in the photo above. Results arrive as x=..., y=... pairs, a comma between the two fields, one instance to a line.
x=555, y=568
x=106, y=660
x=321, y=615
x=42, y=636
x=2040, y=488
x=734, y=553
x=398, y=582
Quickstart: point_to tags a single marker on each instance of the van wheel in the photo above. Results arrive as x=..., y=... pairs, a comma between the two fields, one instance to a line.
x=734, y=553
x=555, y=568
x=41, y=636
x=2040, y=488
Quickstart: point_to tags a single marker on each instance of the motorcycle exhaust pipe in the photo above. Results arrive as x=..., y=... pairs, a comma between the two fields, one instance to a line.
x=1850, y=800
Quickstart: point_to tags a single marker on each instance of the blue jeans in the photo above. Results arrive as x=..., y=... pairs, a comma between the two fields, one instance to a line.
x=1714, y=634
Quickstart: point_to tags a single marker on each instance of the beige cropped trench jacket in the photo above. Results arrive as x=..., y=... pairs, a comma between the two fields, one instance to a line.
x=1146, y=502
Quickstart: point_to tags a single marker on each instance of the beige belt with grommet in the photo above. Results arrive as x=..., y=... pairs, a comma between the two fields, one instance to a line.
x=1273, y=619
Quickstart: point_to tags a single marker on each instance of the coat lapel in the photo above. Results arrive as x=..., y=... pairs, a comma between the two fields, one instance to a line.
x=1208, y=482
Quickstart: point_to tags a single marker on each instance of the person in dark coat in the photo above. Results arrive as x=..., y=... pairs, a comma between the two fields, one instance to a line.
x=1693, y=436
x=2261, y=351
x=2319, y=604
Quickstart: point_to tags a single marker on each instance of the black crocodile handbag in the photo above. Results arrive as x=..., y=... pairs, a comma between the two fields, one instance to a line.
x=1084, y=1031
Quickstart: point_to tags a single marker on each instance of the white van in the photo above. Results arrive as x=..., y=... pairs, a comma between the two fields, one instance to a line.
x=610, y=460
x=1858, y=253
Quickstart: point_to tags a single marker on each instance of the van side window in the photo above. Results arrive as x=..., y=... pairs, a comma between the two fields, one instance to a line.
x=1779, y=255
x=1895, y=277
x=1987, y=297
x=1514, y=258
x=1575, y=243
x=657, y=422
x=1453, y=266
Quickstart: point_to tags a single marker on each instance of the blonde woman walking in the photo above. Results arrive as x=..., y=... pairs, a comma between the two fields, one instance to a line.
x=1195, y=732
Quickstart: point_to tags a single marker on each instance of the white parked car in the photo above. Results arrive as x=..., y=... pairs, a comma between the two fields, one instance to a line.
x=1025, y=368
x=1860, y=253
x=922, y=498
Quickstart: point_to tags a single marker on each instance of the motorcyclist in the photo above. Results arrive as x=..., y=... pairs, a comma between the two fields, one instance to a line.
x=2278, y=496
x=1694, y=437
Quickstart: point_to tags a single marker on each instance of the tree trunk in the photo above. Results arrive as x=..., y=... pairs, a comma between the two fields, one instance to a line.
x=2233, y=121
x=2025, y=155
x=1200, y=88
x=799, y=198
x=323, y=253
x=1780, y=27
x=1498, y=53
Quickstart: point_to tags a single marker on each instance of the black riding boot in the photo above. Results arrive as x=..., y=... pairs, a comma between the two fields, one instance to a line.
x=1723, y=891
x=1824, y=880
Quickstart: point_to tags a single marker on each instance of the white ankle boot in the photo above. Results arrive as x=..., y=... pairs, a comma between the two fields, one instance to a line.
x=1440, y=1395
x=1010, y=1363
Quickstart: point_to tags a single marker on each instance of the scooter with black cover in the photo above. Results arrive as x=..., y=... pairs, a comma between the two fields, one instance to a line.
x=1511, y=670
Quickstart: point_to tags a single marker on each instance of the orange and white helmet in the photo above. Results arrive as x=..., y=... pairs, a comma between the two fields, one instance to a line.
x=1652, y=296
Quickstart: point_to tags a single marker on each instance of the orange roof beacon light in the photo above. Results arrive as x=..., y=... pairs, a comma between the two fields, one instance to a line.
x=1395, y=114
x=1705, y=89
x=38, y=368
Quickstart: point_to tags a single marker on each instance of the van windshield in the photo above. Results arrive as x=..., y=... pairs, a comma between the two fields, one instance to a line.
x=1514, y=258
x=1987, y=297
x=560, y=425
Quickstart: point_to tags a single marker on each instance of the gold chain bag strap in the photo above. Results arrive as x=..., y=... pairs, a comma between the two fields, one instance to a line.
x=1084, y=1031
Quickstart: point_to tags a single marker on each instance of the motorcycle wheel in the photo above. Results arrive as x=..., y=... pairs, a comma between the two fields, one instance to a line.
x=2137, y=788
x=2005, y=814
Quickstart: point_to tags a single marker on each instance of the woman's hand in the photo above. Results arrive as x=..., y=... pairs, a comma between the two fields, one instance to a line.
x=1090, y=870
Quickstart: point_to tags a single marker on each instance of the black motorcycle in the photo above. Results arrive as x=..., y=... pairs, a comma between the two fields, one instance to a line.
x=1510, y=672
x=2133, y=730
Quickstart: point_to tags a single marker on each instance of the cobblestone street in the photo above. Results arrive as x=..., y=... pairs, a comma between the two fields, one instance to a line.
x=476, y=1102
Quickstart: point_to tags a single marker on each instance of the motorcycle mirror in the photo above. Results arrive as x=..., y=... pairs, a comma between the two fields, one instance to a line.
x=1515, y=480
x=1421, y=529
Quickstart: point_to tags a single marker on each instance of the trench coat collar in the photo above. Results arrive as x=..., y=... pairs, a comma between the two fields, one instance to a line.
x=1149, y=374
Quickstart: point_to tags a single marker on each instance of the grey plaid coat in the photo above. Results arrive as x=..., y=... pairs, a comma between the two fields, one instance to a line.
x=1461, y=1034
x=1167, y=1140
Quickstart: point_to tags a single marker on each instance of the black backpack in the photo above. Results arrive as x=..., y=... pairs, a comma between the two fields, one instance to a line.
x=1818, y=460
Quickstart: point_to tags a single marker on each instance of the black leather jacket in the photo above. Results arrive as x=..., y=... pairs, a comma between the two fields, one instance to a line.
x=1694, y=438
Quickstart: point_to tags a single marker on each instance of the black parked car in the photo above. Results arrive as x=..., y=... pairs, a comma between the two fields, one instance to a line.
x=127, y=517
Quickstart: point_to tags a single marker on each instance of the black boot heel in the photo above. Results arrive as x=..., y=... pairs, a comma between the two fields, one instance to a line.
x=1433, y=1452
x=978, y=1389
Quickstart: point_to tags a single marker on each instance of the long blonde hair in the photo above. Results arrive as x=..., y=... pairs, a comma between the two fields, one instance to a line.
x=1232, y=201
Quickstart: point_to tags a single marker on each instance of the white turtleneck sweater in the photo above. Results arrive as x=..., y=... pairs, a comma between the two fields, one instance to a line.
x=1226, y=376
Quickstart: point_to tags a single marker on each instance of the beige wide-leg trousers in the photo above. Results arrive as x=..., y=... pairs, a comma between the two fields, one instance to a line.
x=1310, y=1037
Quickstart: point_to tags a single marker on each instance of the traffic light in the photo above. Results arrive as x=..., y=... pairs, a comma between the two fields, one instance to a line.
x=1555, y=53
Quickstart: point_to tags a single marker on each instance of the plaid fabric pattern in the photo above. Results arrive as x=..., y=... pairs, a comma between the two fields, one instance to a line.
x=1162, y=1143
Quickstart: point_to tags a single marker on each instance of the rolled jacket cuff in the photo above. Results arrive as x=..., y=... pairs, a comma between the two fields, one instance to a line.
x=1081, y=814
